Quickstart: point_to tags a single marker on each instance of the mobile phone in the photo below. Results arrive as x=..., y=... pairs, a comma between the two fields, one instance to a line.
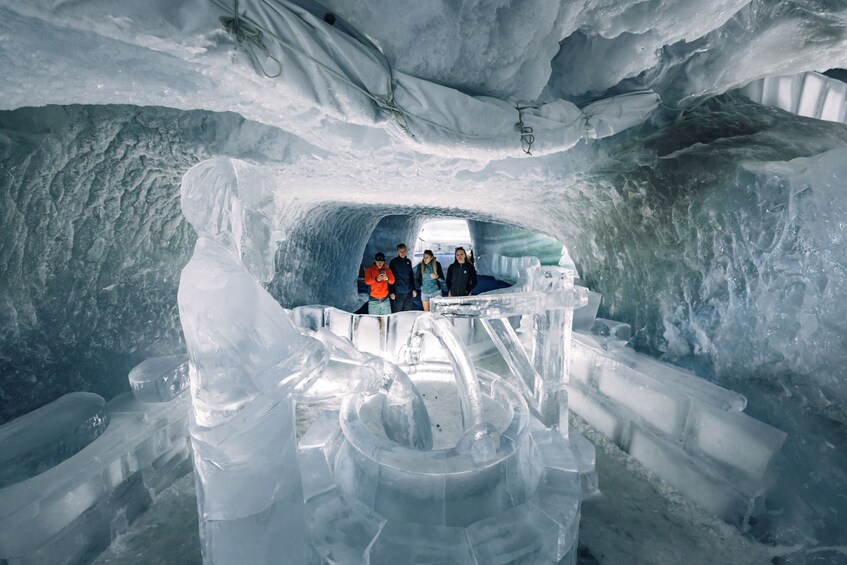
x=382, y=271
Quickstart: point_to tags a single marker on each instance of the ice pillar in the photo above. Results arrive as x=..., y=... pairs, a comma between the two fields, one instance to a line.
x=552, y=340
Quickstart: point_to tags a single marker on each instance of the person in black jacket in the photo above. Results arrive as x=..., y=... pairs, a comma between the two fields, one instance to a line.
x=461, y=275
x=403, y=290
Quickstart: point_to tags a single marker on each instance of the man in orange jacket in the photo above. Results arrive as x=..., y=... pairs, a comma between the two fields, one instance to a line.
x=378, y=277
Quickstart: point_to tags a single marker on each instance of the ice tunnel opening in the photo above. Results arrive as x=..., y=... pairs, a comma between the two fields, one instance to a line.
x=442, y=236
x=496, y=246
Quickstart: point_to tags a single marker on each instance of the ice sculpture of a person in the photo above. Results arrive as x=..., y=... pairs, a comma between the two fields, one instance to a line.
x=247, y=358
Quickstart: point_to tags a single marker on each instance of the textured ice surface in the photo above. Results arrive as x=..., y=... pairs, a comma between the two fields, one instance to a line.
x=749, y=291
x=84, y=305
x=510, y=50
x=709, y=50
x=707, y=295
x=316, y=65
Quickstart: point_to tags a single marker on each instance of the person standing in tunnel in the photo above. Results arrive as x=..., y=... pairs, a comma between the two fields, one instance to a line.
x=378, y=277
x=461, y=275
x=428, y=277
x=403, y=290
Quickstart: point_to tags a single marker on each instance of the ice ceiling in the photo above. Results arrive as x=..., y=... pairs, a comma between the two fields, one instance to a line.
x=718, y=227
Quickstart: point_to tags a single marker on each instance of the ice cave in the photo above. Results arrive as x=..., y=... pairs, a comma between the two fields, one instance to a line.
x=651, y=368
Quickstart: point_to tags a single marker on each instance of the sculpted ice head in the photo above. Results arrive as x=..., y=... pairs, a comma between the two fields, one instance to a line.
x=232, y=202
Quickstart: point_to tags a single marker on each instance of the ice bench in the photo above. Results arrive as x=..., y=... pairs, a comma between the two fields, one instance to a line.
x=72, y=511
x=690, y=432
x=504, y=268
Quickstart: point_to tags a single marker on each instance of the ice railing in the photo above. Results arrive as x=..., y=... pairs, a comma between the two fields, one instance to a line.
x=386, y=336
x=505, y=268
x=807, y=94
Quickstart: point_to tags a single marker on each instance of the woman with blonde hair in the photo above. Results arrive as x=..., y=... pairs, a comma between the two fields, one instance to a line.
x=428, y=276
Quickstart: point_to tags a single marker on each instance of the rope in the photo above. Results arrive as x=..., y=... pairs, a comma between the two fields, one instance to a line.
x=387, y=104
x=247, y=32
x=684, y=109
x=527, y=137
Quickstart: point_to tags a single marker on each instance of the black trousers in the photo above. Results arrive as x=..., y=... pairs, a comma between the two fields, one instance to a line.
x=402, y=302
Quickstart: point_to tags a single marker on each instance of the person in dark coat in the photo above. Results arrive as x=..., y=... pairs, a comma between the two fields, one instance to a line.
x=461, y=275
x=403, y=290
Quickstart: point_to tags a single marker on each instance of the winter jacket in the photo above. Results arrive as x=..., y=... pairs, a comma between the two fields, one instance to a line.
x=428, y=284
x=461, y=278
x=379, y=289
x=404, y=277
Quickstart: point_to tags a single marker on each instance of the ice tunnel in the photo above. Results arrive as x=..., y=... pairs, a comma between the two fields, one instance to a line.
x=685, y=161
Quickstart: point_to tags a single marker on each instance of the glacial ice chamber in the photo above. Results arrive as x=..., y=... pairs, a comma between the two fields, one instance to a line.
x=712, y=225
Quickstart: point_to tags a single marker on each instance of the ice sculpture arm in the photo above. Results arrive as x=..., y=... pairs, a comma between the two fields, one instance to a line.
x=348, y=370
x=294, y=373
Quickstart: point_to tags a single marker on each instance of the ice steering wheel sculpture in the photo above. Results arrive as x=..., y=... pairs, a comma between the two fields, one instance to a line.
x=493, y=485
